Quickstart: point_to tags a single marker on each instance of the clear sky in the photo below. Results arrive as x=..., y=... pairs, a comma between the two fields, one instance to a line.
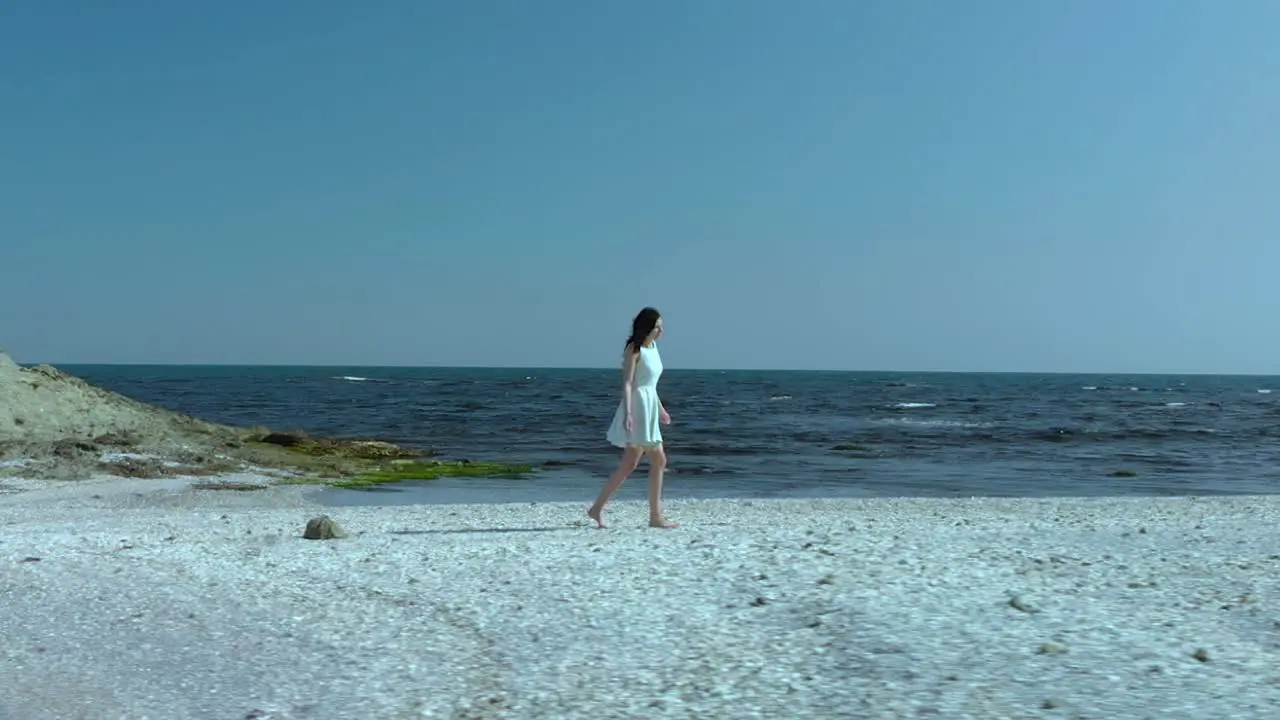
x=986, y=185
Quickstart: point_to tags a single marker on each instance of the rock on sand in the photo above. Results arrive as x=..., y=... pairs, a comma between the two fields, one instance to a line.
x=43, y=405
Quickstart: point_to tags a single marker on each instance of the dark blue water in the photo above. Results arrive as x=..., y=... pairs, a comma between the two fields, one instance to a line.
x=768, y=434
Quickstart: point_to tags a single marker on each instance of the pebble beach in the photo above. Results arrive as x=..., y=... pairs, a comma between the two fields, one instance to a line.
x=150, y=599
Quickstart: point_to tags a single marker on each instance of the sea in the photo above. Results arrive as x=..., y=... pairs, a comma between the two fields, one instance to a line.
x=764, y=434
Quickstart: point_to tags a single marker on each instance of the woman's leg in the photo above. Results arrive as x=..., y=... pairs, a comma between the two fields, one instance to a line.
x=626, y=466
x=657, y=466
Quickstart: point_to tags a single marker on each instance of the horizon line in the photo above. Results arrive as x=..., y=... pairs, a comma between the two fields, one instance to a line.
x=677, y=369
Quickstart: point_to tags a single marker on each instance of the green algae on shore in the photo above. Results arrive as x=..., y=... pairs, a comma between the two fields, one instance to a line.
x=418, y=470
x=363, y=463
x=355, y=448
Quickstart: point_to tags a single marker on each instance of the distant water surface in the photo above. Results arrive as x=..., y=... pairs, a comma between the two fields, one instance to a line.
x=767, y=434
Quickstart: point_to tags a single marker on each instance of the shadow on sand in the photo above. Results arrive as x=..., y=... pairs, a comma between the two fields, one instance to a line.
x=462, y=531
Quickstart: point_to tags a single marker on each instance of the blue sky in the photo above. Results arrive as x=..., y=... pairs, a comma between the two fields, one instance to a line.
x=987, y=185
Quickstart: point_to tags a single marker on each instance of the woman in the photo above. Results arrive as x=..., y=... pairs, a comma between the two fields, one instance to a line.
x=635, y=426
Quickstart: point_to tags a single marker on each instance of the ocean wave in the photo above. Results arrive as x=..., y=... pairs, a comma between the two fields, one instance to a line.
x=936, y=423
x=1110, y=435
x=712, y=448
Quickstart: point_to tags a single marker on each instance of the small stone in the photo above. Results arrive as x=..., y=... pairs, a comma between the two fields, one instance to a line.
x=1017, y=603
x=323, y=528
x=1050, y=704
x=1051, y=649
x=1201, y=654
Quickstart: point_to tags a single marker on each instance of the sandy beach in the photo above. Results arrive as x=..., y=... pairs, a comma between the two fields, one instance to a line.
x=147, y=599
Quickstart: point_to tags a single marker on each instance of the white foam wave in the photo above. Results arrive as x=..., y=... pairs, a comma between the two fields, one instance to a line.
x=351, y=378
x=909, y=405
x=917, y=422
x=1175, y=404
x=1089, y=387
x=120, y=456
x=112, y=457
x=1264, y=391
x=779, y=397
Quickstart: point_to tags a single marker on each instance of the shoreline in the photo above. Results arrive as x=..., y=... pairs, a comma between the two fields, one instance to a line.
x=270, y=484
x=154, y=601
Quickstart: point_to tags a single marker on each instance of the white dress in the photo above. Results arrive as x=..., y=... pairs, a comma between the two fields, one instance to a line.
x=645, y=408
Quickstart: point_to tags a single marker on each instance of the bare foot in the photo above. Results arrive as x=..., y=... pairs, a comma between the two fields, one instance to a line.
x=597, y=515
x=663, y=524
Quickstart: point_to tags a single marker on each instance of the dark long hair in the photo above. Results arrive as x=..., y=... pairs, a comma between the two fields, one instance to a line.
x=643, y=324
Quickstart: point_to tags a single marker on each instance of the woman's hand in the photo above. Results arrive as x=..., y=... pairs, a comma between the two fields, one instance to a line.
x=628, y=423
x=663, y=417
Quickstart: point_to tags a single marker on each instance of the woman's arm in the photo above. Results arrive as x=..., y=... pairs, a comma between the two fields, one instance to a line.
x=628, y=378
